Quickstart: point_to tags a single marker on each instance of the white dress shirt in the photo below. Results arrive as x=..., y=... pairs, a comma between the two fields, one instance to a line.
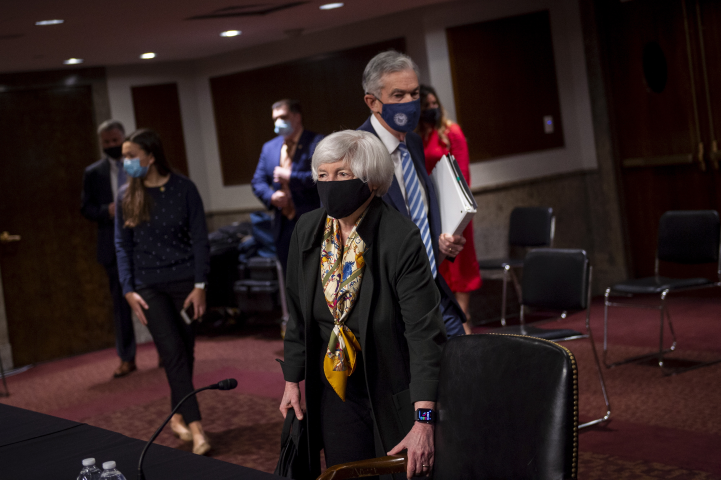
x=391, y=144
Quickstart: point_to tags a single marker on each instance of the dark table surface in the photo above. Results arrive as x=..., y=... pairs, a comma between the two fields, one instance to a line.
x=38, y=446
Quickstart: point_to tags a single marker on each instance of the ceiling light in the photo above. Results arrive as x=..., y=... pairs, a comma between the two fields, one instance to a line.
x=148, y=55
x=49, y=22
x=331, y=6
x=73, y=61
x=230, y=33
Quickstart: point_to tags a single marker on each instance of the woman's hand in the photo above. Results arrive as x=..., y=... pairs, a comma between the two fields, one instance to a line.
x=419, y=443
x=197, y=298
x=291, y=399
x=137, y=304
x=450, y=245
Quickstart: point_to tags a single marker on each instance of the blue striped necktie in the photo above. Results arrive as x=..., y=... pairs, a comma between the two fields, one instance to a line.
x=416, y=208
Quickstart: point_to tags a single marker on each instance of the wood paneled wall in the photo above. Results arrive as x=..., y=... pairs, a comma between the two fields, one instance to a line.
x=56, y=294
x=157, y=107
x=504, y=80
x=328, y=87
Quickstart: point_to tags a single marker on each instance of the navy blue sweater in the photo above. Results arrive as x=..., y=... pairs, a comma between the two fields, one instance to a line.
x=172, y=246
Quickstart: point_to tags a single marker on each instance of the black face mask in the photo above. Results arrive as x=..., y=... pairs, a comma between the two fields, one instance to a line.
x=114, y=152
x=343, y=197
x=430, y=115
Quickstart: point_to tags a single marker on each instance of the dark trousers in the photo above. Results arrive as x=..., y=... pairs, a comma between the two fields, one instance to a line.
x=124, y=333
x=174, y=339
x=347, y=427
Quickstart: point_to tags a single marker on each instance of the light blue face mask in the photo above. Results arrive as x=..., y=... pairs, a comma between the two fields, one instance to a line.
x=282, y=127
x=133, y=168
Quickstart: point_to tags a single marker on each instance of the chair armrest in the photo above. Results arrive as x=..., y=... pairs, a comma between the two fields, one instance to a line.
x=367, y=468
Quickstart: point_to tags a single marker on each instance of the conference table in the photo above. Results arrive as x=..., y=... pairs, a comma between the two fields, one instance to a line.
x=38, y=446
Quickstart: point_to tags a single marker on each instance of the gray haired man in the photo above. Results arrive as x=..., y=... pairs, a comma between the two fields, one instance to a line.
x=101, y=182
x=392, y=93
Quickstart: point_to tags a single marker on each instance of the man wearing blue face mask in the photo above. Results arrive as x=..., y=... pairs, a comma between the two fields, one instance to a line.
x=283, y=180
x=101, y=182
x=392, y=93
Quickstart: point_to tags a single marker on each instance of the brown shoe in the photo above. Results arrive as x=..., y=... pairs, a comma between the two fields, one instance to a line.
x=124, y=369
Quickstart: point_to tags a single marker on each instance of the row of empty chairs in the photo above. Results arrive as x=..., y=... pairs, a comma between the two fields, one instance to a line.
x=687, y=237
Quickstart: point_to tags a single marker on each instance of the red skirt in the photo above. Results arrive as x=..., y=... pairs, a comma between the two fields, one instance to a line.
x=462, y=275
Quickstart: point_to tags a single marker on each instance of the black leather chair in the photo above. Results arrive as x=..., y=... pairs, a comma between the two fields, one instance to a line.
x=529, y=227
x=559, y=280
x=688, y=237
x=508, y=408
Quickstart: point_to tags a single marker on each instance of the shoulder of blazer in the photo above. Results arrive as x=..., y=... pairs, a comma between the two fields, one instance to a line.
x=368, y=127
x=308, y=141
x=308, y=226
x=276, y=142
x=101, y=166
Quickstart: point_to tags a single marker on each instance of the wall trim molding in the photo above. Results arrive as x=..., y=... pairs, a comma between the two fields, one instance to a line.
x=532, y=181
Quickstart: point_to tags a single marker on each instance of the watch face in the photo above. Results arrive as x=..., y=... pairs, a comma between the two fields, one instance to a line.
x=424, y=415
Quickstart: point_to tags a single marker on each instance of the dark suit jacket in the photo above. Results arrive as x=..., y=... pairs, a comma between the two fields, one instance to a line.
x=401, y=327
x=302, y=187
x=96, y=196
x=394, y=197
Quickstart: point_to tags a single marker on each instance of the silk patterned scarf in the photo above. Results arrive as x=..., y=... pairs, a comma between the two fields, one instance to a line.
x=341, y=273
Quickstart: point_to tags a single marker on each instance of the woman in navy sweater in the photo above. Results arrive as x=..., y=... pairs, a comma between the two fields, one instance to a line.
x=163, y=260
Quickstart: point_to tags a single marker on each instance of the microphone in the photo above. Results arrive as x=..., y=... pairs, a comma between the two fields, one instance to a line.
x=227, y=384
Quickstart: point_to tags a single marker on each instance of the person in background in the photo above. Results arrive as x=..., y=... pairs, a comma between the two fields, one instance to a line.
x=282, y=179
x=365, y=331
x=101, y=181
x=441, y=137
x=163, y=254
x=390, y=83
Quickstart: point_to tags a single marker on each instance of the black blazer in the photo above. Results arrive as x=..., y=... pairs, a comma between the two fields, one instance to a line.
x=394, y=197
x=97, y=195
x=401, y=326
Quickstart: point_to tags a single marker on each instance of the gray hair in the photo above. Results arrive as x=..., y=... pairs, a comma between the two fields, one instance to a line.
x=110, y=125
x=383, y=64
x=363, y=152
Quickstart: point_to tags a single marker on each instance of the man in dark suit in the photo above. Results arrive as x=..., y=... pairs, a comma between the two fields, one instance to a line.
x=392, y=93
x=101, y=181
x=283, y=180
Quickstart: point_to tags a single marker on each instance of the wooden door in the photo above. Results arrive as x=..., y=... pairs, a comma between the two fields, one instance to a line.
x=658, y=95
x=56, y=294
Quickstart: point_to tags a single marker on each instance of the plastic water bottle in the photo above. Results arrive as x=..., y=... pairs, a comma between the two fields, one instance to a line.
x=89, y=471
x=110, y=472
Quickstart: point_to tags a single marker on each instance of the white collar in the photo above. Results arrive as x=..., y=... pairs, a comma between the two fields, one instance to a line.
x=386, y=137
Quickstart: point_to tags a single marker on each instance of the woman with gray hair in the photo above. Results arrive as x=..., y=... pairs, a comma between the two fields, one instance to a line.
x=365, y=330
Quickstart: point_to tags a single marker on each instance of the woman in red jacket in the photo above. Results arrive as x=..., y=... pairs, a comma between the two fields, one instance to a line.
x=440, y=137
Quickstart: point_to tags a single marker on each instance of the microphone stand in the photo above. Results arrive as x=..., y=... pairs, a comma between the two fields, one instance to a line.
x=223, y=385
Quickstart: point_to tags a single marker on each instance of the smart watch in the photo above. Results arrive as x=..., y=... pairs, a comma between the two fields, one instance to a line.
x=425, y=415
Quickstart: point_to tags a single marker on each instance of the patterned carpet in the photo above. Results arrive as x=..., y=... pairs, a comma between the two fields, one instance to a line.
x=661, y=427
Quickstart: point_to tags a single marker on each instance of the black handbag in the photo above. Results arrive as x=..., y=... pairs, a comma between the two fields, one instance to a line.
x=294, y=459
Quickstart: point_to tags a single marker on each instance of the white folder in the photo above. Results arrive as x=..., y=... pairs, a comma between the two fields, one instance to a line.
x=455, y=199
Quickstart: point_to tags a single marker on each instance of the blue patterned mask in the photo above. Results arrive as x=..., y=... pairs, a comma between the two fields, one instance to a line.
x=133, y=168
x=402, y=117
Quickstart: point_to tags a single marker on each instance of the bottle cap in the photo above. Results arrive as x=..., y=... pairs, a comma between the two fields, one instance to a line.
x=108, y=465
x=88, y=461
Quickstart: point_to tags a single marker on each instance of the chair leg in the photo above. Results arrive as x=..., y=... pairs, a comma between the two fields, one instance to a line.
x=281, y=294
x=657, y=355
x=506, y=269
x=605, y=328
x=607, y=416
